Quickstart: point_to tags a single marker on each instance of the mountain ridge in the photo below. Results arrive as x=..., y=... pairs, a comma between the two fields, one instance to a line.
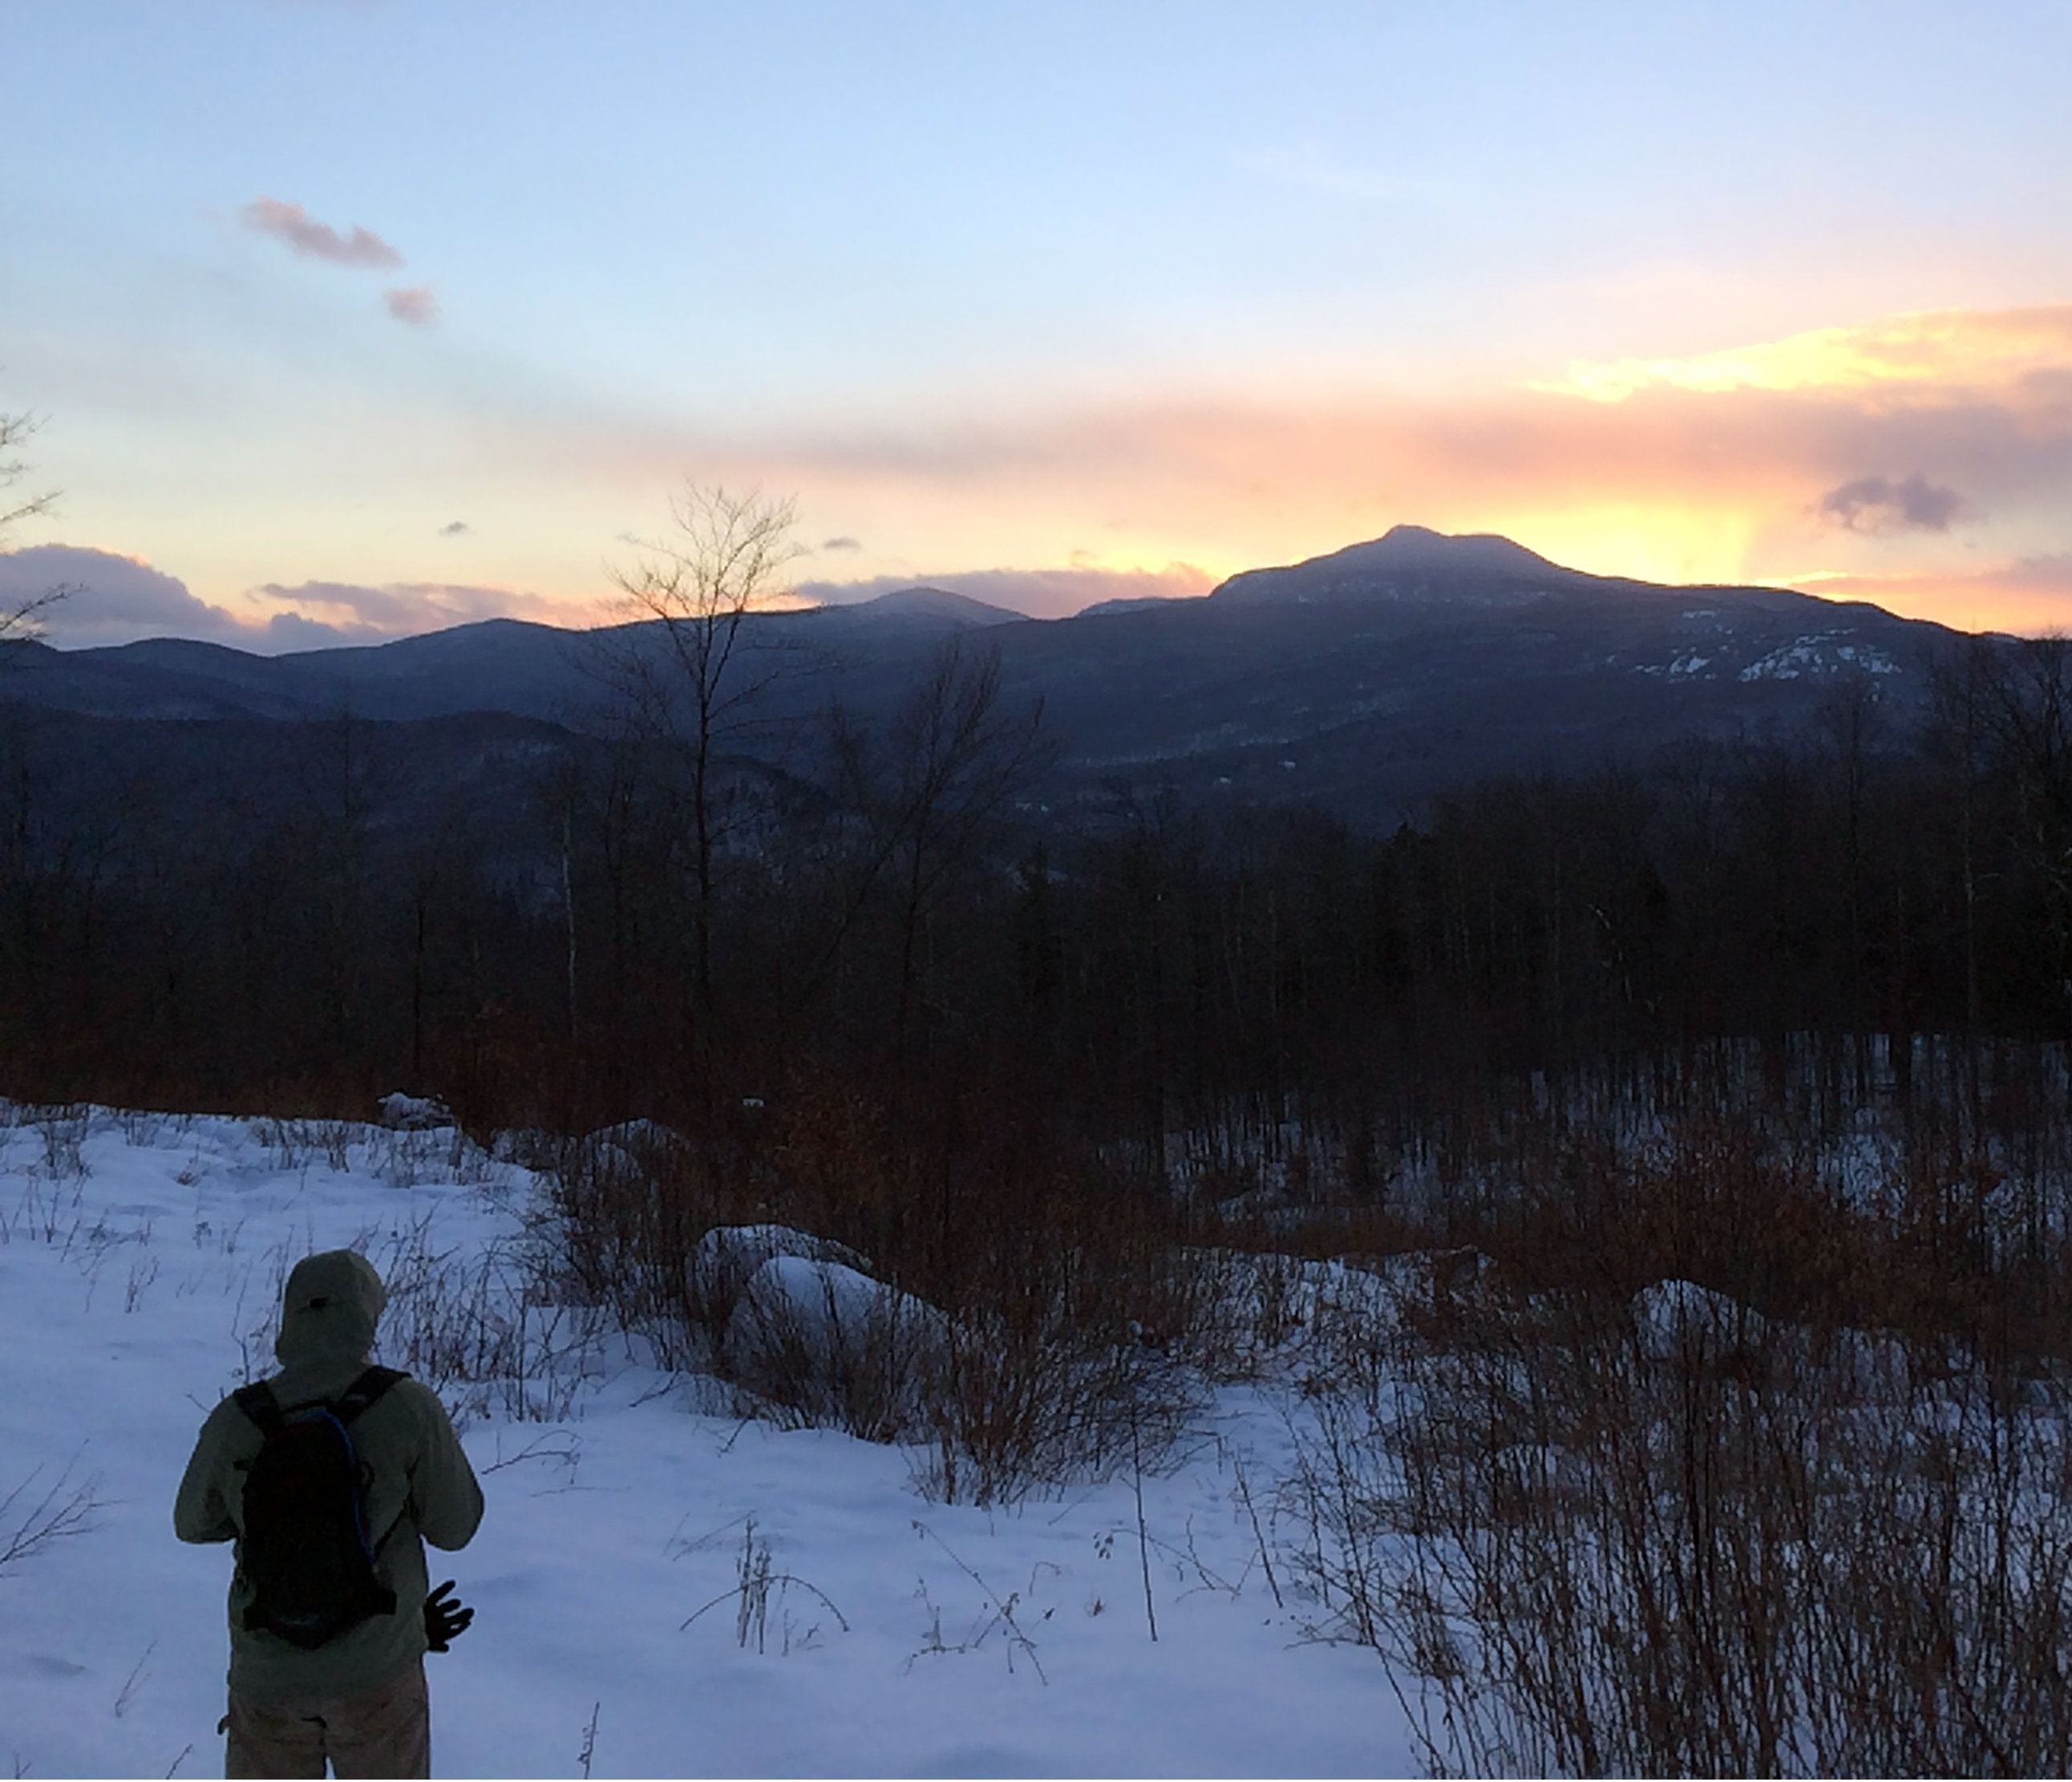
x=1367, y=678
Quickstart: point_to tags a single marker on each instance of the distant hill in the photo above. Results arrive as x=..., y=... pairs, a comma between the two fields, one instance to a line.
x=940, y=603
x=1367, y=679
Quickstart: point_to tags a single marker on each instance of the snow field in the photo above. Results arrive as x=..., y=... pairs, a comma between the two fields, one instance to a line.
x=849, y=1626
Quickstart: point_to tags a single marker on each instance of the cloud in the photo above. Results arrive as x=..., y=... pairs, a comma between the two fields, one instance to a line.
x=118, y=599
x=1935, y=348
x=1878, y=504
x=1041, y=594
x=289, y=631
x=113, y=598
x=315, y=241
x=455, y=528
x=415, y=304
x=843, y=543
x=357, y=613
x=2032, y=594
x=1677, y=478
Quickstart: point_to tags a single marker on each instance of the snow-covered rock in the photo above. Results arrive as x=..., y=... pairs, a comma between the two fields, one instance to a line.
x=1824, y=654
x=404, y=1113
x=1673, y=1318
x=740, y=1250
x=630, y=1150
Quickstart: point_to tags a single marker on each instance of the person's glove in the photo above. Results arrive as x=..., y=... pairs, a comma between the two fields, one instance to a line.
x=445, y=1618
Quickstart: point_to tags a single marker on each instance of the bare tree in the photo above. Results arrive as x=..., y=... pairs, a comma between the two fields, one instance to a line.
x=18, y=621
x=957, y=760
x=689, y=678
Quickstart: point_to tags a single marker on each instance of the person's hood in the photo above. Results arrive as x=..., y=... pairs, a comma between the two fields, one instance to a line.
x=330, y=1310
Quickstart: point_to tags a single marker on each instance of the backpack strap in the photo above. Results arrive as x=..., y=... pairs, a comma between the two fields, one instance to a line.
x=363, y=1392
x=369, y=1387
x=257, y=1402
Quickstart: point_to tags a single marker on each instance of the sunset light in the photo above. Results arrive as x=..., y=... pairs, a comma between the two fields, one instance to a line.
x=410, y=346
x=1930, y=355
x=1123, y=888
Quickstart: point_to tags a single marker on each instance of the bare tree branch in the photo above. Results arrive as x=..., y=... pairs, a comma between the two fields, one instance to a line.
x=18, y=622
x=66, y=1508
x=13, y=429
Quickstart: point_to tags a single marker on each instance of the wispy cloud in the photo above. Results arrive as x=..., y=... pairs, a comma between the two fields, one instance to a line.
x=359, y=613
x=1937, y=349
x=455, y=528
x=414, y=304
x=845, y=542
x=305, y=236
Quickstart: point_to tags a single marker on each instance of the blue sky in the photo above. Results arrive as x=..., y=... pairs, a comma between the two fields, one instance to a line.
x=1109, y=298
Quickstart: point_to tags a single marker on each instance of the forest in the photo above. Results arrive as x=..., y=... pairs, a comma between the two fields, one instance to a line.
x=1184, y=1002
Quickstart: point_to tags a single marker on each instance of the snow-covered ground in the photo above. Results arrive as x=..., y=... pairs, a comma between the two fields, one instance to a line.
x=140, y=1260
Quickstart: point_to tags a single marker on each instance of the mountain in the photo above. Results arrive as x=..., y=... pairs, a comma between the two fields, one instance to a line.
x=1365, y=680
x=932, y=604
x=1407, y=563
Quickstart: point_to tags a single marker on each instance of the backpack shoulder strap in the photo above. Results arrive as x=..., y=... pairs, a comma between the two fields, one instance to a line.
x=257, y=1402
x=364, y=1391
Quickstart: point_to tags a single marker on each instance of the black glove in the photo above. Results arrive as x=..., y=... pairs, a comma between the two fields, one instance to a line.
x=443, y=1617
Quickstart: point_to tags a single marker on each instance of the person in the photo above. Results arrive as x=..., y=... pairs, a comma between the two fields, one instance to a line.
x=353, y=1695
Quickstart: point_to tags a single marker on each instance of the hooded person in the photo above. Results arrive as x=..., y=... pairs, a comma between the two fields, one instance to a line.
x=358, y=1697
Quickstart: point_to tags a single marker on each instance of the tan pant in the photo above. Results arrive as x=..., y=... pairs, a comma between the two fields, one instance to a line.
x=385, y=1731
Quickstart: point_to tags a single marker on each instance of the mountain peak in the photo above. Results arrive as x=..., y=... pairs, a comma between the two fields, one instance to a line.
x=1407, y=563
x=941, y=604
x=1420, y=547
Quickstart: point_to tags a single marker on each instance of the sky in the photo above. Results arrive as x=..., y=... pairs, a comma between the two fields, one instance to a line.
x=345, y=320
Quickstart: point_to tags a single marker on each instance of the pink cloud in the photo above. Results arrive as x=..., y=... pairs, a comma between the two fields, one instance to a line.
x=414, y=304
x=359, y=613
x=315, y=241
x=1846, y=455
x=2032, y=594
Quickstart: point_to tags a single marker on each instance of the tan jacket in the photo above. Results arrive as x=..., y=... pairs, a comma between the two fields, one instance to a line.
x=422, y=1489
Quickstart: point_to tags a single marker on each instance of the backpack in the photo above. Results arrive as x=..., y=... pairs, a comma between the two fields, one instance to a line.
x=305, y=1552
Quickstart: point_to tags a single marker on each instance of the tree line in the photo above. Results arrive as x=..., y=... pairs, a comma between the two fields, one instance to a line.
x=661, y=924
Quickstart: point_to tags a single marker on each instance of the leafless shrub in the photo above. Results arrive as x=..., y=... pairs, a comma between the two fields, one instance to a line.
x=756, y=1579
x=31, y=1521
x=1024, y=1403
x=1673, y=1538
x=999, y=1615
x=820, y=1345
x=1032, y=1333
x=487, y=1333
x=628, y=1213
x=64, y=1130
